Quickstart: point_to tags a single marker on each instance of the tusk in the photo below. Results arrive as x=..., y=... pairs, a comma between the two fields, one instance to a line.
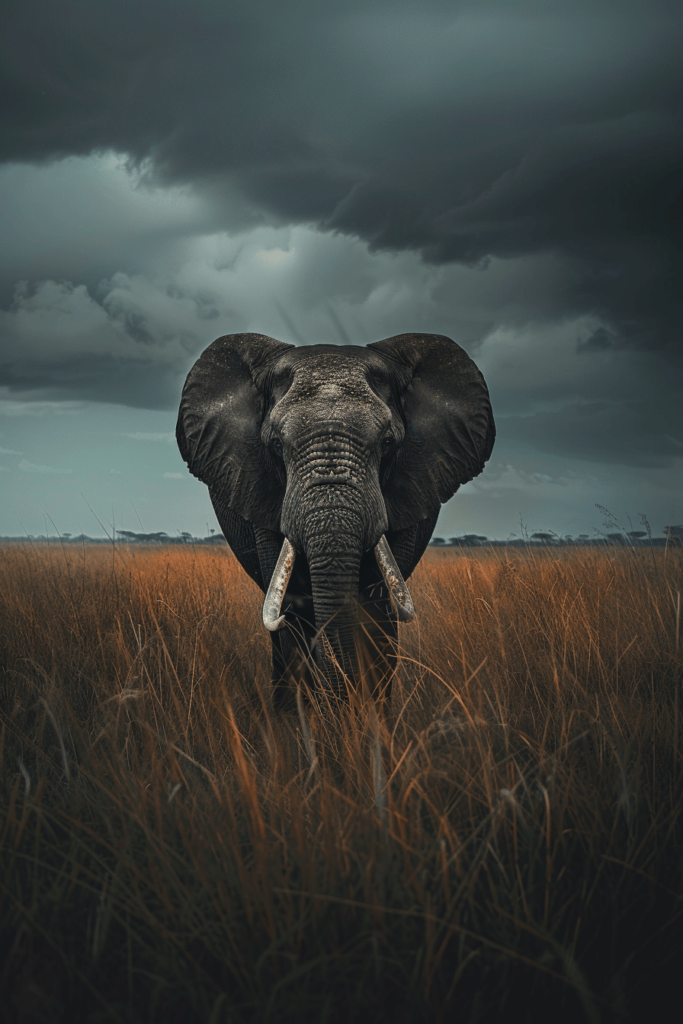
x=398, y=590
x=272, y=619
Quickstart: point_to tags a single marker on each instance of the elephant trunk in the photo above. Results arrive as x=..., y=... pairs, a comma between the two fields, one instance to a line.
x=333, y=511
x=334, y=545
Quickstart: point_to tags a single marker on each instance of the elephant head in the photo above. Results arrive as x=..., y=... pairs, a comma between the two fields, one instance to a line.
x=327, y=466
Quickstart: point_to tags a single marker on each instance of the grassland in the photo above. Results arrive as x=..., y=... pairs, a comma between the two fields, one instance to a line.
x=503, y=842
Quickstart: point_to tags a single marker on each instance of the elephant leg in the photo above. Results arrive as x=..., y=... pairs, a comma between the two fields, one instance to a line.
x=378, y=649
x=257, y=551
x=292, y=658
x=377, y=631
x=290, y=669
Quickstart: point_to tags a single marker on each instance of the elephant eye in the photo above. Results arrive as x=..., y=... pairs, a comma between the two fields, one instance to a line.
x=276, y=445
x=387, y=442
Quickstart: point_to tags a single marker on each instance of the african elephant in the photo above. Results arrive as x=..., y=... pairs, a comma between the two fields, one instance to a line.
x=327, y=466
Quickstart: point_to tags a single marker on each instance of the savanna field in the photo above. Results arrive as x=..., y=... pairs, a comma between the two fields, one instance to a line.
x=503, y=841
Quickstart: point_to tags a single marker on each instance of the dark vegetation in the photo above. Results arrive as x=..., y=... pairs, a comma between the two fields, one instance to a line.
x=504, y=841
x=121, y=537
x=672, y=535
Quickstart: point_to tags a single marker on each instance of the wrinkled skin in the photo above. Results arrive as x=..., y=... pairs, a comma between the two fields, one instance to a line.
x=333, y=447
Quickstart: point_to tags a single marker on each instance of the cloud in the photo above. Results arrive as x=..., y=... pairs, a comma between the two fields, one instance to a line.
x=58, y=342
x=507, y=477
x=507, y=174
x=626, y=433
x=134, y=341
x=12, y=408
x=88, y=220
x=31, y=467
x=175, y=476
x=591, y=401
x=600, y=340
x=9, y=451
x=536, y=369
x=458, y=130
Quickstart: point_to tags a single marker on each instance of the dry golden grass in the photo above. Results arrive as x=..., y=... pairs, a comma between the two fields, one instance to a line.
x=503, y=842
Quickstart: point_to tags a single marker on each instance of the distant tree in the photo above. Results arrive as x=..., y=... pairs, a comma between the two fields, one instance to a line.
x=144, y=538
x=543, y=538
x=469, y=540
x=637, y=534
x=67, y=535
x=438, y=540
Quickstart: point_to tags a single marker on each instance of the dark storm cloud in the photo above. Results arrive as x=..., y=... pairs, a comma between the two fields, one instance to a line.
x=141, y=383
x=537, y=142
x=629, y=434
x=57, y=342
x=461, y=130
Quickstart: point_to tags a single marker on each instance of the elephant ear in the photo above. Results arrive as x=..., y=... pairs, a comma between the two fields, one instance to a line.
x=449, y=424
x=219, y=426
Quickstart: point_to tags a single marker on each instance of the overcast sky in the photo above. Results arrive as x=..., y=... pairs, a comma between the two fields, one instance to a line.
x=507, y=173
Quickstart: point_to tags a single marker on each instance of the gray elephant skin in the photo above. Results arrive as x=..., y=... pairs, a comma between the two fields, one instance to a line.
x=314, y=454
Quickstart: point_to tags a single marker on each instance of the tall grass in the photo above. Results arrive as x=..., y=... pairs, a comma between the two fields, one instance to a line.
x=502, y=842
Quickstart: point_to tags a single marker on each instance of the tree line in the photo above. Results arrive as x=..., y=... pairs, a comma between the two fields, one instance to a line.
x=634, y=538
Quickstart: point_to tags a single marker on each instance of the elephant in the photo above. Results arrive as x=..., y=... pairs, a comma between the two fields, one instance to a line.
x=327, y=466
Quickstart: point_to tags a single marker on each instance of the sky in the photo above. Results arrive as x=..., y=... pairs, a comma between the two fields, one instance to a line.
x=508, y=173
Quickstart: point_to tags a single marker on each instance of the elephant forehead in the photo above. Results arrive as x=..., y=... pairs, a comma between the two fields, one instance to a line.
x=328, y=382
x=331, y=374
